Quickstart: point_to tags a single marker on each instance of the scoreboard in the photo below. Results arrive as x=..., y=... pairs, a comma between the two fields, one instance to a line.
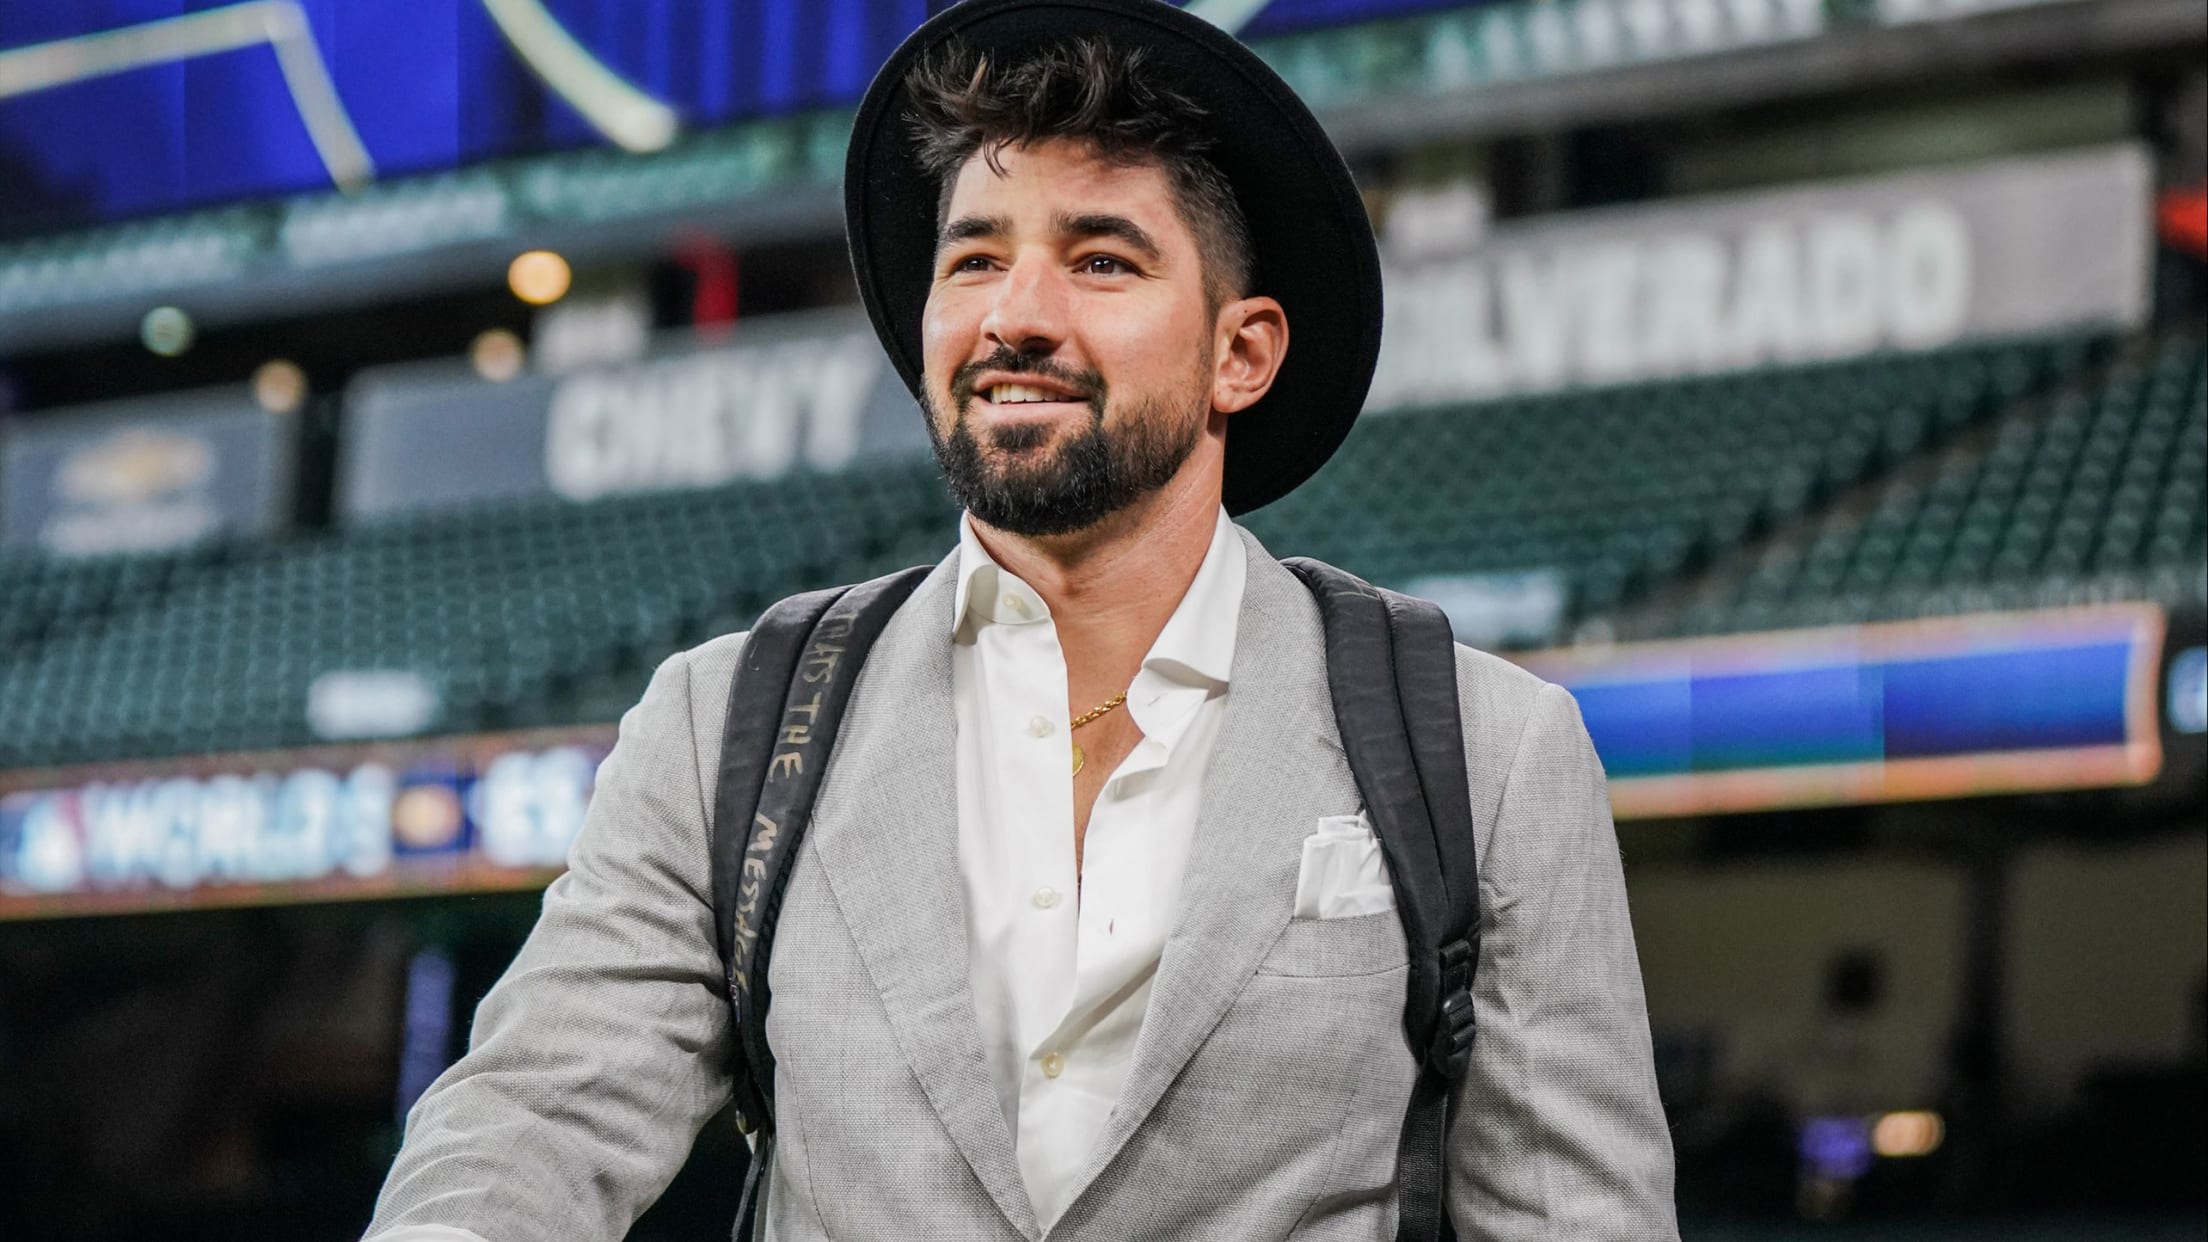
x=137, y=107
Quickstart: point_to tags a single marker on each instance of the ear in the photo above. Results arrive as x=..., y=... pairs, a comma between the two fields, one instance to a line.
x=1251, y=341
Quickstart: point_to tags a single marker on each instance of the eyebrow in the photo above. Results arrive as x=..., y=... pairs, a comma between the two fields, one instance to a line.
x=968, y=228
x=1105, y=225
x=1090, y=225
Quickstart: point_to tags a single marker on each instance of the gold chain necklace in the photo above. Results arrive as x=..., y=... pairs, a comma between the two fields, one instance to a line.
x=1089, y=717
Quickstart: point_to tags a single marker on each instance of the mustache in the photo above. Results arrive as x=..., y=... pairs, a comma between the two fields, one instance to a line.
x=1087, y=384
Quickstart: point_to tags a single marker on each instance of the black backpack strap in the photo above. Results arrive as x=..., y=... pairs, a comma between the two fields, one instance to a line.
x=794, y=680
x=1391, y=670
x=769, y=659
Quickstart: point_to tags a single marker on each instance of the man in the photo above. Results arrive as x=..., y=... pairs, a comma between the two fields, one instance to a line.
x=1088, y=937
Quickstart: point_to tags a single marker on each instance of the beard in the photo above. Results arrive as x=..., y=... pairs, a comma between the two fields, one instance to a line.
x=1098, y=471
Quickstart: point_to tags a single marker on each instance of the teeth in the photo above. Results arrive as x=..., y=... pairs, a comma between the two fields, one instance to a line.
x=1014, y=394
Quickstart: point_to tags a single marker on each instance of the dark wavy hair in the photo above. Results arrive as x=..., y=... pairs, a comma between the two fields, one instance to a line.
x=1091, y=91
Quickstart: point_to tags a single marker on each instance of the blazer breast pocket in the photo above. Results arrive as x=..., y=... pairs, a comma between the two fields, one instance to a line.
x=1364, y=944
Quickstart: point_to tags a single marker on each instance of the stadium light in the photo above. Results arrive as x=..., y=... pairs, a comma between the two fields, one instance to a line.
x=538, y=277
x=167, y=331
x=279, y=386
x=496, y=355
x=1904, y=1134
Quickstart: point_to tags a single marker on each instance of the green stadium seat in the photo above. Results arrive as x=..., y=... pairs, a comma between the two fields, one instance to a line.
x=1986, y=465
x=2095, y=487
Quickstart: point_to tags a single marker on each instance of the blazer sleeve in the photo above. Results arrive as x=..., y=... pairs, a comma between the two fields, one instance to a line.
x=1556, y=1131
x=603, y=1049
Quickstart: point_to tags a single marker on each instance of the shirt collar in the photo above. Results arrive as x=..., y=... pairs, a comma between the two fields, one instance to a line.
x=1197, y=640
x=1199, y=637
x=988, y=594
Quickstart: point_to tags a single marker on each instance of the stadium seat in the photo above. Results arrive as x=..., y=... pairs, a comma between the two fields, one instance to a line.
x=546, y=613
x=2094, y=491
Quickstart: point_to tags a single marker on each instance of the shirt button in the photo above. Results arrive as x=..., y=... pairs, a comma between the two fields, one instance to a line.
x=1039, y=727
x=1053, y=1065
x=1014, y=604
x=1046, y=897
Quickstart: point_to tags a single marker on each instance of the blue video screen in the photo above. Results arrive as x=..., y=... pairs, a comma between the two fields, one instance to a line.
x=111, y=109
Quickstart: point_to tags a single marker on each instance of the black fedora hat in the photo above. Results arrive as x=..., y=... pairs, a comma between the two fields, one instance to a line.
x=1310, y=236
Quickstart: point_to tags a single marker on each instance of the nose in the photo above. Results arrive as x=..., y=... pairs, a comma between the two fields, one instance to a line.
x=1028, y=313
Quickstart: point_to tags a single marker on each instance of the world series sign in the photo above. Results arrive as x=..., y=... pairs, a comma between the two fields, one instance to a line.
x=443, y=816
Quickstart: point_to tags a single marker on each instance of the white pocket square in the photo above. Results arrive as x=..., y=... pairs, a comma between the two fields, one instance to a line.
x=1343, y=874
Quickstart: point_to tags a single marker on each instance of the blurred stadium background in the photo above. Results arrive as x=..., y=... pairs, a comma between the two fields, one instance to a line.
x=1816, y=387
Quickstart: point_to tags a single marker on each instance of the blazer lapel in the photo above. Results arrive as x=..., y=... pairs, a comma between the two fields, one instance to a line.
x=1270, y=774
x=885, y=834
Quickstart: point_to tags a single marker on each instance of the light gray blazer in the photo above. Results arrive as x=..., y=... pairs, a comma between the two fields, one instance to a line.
x=1271, y=1075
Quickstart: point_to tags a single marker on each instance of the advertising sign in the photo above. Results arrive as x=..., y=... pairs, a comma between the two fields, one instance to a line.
x=457, y=815
x=809, y=391
x=1939, y=708
x=1936, y=708
x=143, y=475
x=1812, y=273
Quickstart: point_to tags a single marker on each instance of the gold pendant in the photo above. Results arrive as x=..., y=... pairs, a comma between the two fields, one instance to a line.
x=1078, y=758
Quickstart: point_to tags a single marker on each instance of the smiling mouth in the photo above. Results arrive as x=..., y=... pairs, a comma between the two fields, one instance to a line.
x=1017, y=395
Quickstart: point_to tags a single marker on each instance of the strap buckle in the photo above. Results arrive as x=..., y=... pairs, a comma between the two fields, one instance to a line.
x=1451, y=1053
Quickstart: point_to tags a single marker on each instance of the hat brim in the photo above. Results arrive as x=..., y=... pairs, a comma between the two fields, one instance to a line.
x=1311, y=238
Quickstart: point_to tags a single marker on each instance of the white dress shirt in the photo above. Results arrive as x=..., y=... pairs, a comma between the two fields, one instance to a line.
x=1061, y=984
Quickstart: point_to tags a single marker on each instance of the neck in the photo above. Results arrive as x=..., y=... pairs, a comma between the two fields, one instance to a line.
x=1112, y=587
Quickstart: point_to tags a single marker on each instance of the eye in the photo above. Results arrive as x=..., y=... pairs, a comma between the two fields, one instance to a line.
x=970, y=263
x=1105, y=265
